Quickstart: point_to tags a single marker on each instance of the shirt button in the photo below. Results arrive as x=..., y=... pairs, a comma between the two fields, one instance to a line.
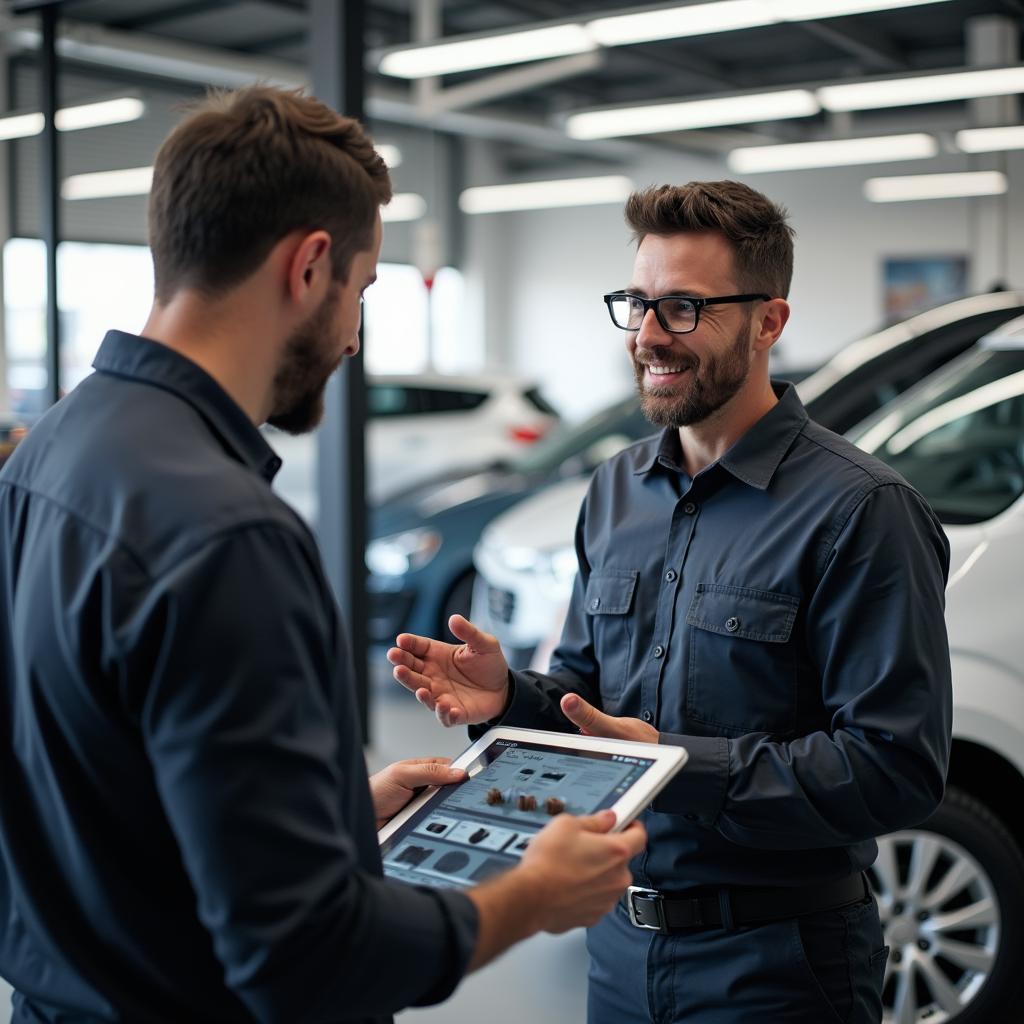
x=647, y=716
x=732, y=623
x=659, y=651
x=689, y=508
x=596, y=603
x=670, y=576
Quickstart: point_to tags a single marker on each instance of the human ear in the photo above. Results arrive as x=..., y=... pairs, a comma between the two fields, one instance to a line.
x=309, y=266
x=773, y=317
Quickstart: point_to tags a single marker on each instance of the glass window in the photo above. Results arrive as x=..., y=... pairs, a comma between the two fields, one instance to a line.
x=99, y=287
x=960, y=439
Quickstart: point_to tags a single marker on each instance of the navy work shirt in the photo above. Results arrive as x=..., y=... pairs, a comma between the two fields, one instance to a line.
x=780, y=615
x=186, y=828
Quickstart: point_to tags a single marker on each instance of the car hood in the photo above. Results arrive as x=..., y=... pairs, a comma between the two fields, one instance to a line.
x=543, y=522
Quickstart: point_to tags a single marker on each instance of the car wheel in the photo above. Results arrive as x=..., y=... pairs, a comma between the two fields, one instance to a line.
x=951, y=898
x=458, y=601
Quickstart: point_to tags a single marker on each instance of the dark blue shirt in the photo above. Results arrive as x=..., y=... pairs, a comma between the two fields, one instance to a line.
x=186, y=828
x=781, y=616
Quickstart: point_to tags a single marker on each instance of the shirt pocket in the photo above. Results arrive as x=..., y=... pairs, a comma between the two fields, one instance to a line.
x=608, y=602
x=742, y=666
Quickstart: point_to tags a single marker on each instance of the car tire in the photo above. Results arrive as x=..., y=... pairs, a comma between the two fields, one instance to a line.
x=951, y=898
x=458, y=602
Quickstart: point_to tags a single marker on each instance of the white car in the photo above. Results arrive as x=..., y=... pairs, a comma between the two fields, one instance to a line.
x=951, y=892
x=421, y=427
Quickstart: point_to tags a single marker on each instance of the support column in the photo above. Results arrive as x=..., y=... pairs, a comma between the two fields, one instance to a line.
x=5, y=225
x=49, y=190
x=992, y=41
x=336, y=48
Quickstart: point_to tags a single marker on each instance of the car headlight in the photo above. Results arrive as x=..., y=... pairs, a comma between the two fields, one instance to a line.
x=399, y=553
x=562, y=565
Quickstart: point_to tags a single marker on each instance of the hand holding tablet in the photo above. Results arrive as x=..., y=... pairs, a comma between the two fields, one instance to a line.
x=519, y=781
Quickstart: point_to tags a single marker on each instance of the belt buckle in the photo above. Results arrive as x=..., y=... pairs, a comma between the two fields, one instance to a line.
x=639, y=918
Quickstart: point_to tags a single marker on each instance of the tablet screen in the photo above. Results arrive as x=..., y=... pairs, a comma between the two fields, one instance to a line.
x=472, y=830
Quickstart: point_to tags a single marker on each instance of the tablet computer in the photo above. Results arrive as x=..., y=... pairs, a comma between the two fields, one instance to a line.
x=519, y=779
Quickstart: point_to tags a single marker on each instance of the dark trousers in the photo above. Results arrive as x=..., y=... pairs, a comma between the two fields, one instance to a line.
x=823, y=968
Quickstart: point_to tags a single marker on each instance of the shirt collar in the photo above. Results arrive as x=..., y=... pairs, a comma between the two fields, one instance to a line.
x=756, y=456
x=136, y=358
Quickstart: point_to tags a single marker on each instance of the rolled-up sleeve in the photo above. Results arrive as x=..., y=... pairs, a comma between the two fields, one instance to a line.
x=241, y=725
x=878, y=638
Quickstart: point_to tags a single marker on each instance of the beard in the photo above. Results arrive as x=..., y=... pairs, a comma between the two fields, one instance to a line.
x=713, y=381
x=307, y=363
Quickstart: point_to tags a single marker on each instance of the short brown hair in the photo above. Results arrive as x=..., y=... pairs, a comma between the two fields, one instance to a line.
x=761, y=240
x=247, y=168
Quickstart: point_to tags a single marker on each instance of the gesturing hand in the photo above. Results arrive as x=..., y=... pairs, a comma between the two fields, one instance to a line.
x=393, y=787
x=592, y=722
x=461, y=683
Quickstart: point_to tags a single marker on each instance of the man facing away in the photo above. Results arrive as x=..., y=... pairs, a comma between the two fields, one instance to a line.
x=186, y=828
x=757, y=589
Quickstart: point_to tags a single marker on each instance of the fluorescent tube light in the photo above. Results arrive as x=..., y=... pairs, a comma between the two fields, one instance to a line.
x=446, y=58
x=69, y=119
x=540, y=195
x=21, y=126
x=898, y=92
x=990, y=140
x=665, y=117
x=131, y=181
x=93, y=115
x=677, y=22
x=935, y=186
x=391, y=155
x=811, y=10
x=404, y=206
x=833, y=153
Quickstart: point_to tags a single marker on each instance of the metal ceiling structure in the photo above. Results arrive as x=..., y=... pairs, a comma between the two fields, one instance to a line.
x=526, y=105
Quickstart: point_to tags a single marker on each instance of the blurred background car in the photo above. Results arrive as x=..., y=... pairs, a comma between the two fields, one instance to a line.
x=420, y=556
x=951, y=892
x=421, y=427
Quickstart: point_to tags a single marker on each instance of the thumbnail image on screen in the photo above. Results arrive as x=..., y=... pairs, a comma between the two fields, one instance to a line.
x=477, y=828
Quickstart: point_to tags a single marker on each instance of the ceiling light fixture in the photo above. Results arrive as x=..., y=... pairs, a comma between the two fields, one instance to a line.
x=669, y=21
x=990, y=140
x=666, y=117
x=935, y=186
x=899, y=92
x=472, y=54
x=832, y=153
x=130, y=181
x=540, y=195
x=69, y=119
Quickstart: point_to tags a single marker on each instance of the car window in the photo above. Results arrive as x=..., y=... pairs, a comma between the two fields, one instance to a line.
x=539, y=402
x=392, y=400
x=567, y=442
x=959, y=439
x=876, y=382
x=451, y=399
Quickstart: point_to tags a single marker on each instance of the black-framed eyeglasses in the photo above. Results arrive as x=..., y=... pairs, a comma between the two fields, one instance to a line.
x=677, y=314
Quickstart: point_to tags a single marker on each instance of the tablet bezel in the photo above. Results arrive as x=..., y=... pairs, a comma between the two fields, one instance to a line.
x=667, y=761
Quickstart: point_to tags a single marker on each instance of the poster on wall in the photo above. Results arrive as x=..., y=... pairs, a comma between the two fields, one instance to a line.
x=912, y=284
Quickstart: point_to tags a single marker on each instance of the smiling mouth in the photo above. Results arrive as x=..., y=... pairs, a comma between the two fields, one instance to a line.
x=662, y=373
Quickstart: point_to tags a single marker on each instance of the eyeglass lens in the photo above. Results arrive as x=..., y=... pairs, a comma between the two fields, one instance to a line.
x=676, y=314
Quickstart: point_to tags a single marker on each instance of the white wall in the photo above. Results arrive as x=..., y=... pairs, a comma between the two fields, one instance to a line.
x=556, y=264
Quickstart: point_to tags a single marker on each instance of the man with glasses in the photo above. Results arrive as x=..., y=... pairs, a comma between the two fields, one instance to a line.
x=758, y=590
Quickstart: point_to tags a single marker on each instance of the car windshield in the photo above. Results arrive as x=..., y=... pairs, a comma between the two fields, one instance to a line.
x=564, y=442
x=959, y=439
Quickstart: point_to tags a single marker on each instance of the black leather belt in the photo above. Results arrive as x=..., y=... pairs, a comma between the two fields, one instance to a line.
x=731, y=908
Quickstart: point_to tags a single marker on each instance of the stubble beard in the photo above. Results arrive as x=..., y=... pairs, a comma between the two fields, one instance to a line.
x=713, y=381
x=306, y=366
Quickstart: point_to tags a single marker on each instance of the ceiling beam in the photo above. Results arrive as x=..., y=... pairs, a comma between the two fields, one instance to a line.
x=872, y=49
